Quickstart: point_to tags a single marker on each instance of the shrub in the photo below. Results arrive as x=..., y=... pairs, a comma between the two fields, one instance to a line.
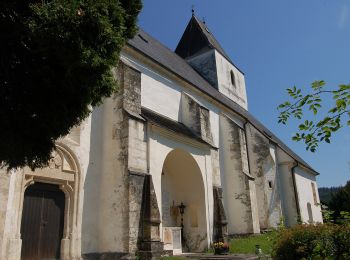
x=322, y=241
x=341, y=238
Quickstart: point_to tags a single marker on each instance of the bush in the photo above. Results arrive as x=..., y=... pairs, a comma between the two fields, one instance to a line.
x=321, y=241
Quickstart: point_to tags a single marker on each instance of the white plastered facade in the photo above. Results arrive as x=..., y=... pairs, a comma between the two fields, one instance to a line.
x=256, y=181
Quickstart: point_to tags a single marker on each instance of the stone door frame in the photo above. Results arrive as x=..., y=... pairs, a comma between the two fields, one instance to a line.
x=64, y=171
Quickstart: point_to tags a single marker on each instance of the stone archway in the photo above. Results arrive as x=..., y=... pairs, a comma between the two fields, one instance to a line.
x=182, y=183
x=62, y=170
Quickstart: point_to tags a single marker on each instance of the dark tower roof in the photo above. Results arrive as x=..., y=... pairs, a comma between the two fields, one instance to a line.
x=197, y=39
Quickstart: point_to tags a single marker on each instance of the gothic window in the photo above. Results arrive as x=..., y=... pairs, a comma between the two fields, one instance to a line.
x=309, y=211
x=314, y=192
x=233, y=80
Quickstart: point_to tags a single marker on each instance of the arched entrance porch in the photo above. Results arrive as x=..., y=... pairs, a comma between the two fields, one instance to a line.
x=182, y=183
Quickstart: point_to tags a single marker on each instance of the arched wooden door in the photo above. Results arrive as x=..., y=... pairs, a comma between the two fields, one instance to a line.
x=42, y=222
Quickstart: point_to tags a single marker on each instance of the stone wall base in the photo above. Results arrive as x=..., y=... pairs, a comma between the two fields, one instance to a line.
x=151, y=250
x=105, y=256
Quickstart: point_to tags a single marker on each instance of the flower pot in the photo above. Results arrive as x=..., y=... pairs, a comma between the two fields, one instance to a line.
x=220, y=251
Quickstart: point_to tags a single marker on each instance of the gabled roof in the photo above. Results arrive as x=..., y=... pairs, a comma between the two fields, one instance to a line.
x=196, y=39
x=170, y=124
x=163, y=56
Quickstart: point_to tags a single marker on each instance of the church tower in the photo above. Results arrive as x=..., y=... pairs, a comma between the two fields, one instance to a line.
x=202, y=51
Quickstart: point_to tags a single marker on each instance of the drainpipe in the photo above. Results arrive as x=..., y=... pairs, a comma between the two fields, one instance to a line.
x=148, y=133
x=296, y=190
x=246, y=145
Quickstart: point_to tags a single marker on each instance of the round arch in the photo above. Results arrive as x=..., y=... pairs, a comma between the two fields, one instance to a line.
x=62, y=170
x=182, y=182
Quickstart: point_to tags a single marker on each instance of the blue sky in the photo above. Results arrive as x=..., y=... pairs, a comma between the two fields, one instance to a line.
x=277, y=44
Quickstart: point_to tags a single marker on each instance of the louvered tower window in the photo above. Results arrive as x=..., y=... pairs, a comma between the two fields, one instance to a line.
x=233, y=81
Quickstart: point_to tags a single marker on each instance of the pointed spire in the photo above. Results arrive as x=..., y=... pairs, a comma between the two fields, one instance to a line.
x=192, y=10
x=197, y=39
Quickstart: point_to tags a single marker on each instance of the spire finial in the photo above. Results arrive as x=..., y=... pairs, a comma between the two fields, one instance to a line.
x=204, y=20
x=192, y=9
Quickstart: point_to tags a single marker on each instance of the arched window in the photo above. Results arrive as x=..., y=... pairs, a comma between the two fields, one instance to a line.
x=314, y=192
x=309, y=211
x=233, y=81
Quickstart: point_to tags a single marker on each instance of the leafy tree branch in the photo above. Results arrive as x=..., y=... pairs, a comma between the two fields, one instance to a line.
x=312, y=132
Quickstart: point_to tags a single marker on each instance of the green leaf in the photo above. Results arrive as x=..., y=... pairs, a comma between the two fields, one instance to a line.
x=340, y=103
x=317, y=84
x=344, y=87
x=333, y=110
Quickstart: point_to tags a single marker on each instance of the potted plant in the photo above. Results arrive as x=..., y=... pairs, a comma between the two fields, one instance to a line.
x=220, y=248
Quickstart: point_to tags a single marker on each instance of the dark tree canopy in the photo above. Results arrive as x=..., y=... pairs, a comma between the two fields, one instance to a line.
x=326, y=193
x=56, y=61
x=340, y=202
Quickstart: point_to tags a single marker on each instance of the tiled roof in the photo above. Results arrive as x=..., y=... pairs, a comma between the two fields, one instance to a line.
x=174, y=126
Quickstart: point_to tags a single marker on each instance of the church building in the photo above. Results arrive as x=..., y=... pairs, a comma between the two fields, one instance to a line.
x=171, y=163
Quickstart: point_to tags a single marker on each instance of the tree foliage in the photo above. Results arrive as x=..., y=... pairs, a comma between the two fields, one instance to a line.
x=56, y=60
x=312, y=132
x=339, y=203
x=325, y=193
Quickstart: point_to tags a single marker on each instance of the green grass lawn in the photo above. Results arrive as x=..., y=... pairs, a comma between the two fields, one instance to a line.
x=246, y=245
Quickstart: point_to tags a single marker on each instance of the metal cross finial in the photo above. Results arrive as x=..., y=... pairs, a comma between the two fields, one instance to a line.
x=192, y=9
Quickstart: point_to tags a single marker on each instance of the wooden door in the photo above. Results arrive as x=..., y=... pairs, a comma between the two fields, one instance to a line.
x=42, y=222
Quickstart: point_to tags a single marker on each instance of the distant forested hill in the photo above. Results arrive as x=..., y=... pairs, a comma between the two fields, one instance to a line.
x=325, y=193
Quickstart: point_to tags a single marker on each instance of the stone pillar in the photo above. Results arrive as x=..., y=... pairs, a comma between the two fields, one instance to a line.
x=289, y=203
x=144, y=216
x=238, y=191
x=263, y=169
x=10, y=199
x=150, y=245
x=4, y=193
x=220, y=221
x=136, y=186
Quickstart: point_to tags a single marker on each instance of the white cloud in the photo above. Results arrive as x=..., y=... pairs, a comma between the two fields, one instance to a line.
x=343, y=16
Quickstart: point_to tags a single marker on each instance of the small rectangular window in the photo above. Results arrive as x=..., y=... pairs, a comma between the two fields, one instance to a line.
x=270, y=184
x=233, y=80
